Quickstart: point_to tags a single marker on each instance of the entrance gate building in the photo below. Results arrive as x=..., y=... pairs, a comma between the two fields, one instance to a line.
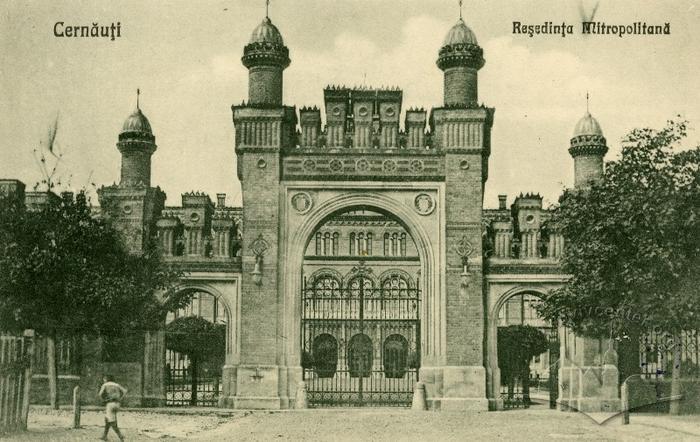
x=362, y=338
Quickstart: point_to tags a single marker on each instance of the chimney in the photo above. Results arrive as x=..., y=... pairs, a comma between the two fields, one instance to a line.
x=220, y=199
x=502, y=202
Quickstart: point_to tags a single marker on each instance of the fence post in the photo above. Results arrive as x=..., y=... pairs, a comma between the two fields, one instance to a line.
x=28, y=369
x=625, y=399
x=76, y=407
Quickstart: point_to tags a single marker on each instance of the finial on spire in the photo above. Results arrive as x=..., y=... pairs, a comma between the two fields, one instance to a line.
x=460, y=9
x=587, y=97
x=138, y=92
x=267, y=8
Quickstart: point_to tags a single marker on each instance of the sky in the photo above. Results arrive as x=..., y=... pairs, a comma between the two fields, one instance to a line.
x=185, y=58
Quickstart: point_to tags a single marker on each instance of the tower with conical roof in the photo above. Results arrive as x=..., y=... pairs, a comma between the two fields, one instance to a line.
x=266, y=58
x=461, y=130
x=588, y=147
x=264, y=127
x=132, y=206
x=136, y=145
x=460, y=58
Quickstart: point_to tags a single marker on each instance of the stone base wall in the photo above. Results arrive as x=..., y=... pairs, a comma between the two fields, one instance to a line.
x=653, y=395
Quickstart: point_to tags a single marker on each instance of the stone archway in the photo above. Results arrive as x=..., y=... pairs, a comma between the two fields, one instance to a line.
x=192, y=380
x=432, y=333
x=499, y=317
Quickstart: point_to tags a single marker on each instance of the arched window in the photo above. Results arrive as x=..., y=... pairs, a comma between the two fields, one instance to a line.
x=360, y=356
x=318, y=244
x=325, y=355
x=387, y=245
x=369, y=244
x=336, y=238
x=361, y=244
x=394, y=244
x=326, y=244
x=402, y=244
x=352, y=243
x=395, y=356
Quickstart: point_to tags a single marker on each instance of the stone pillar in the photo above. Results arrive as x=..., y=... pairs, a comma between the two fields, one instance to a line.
x=456, y=379
x=259, y=371
x=154, y=369
x=588, y=376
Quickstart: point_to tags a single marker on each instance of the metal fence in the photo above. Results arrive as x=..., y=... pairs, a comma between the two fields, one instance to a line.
x=656, y=352
x=15, y=380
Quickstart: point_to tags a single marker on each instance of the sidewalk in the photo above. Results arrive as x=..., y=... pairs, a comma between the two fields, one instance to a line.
x=378, y=424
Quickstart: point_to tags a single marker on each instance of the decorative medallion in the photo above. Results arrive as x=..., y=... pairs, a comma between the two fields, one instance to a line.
x=302, y=202
x=336, y=165
x=424, y=204
x=336, y=111
x=309, y=165
x=362, y=111
x=390, y=111
x=416, y=165
x=389, y=165
x=464, y=248
x=362, y=165
x=259, y=246
x=194, y=217
x=262, y=163
x=464, y=164
x=127, y=209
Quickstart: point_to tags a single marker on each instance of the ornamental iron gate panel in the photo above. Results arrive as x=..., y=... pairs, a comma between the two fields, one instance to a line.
x=360, y=343
x=179, y=384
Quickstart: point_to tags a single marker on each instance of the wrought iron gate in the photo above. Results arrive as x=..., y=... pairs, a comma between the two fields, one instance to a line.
x=179, y=385
x=360, y=343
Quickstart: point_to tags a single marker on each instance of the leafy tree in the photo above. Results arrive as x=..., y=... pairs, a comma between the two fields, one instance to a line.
x=200, y=340
x=633, y=245
x=65, y=272
x=517, y=345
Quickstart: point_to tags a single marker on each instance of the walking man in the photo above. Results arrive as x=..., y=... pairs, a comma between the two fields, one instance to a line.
x=111, y=394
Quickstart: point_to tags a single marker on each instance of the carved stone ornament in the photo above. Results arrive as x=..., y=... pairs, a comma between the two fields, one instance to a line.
x=464, y=248
x=389, y=165
x=336, y=165
x=424, y=203
x=362, y=165
x=302, y=202
x=416, y=165
x=464, y=164
x=259, y=246
x=262, y=163
x=309, y=165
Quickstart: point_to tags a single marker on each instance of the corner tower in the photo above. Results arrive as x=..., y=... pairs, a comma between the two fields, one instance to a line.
x=133, y=205
x=266, y=58
x=460, y=58
x=263, y=129
x=588, y=147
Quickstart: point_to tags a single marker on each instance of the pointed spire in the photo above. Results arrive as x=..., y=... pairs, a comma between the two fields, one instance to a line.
x=267, y=8
x=460, y=9
x=587, y=97
x=138, y=93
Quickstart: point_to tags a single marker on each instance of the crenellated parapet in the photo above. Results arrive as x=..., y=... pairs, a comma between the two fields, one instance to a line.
x=524, y=232
x=199, y=230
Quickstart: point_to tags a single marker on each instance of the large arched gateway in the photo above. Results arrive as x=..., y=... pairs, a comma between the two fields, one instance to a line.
x=360, y=330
